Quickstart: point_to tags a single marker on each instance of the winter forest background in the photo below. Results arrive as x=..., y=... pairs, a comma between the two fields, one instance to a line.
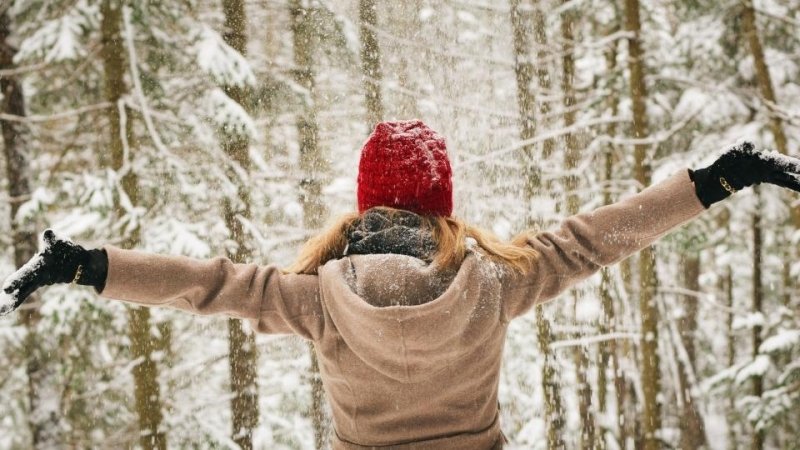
x=233, y=128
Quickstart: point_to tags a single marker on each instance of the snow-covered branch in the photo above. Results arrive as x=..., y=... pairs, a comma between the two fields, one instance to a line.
x=541, y=137
x=584, y=341
x=58, y=116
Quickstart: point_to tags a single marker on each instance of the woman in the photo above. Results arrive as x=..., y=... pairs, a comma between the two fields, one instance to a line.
x=408, y=307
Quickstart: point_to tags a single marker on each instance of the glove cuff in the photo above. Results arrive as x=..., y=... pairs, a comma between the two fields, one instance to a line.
x=94, y=270
x=710, y=189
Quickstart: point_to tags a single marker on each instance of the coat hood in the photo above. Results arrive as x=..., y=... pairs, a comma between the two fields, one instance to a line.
x=407, y=319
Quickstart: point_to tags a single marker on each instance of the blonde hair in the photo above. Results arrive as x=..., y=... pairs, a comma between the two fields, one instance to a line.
x=449, y=234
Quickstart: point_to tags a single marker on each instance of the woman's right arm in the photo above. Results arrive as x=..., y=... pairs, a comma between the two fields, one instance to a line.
x=272, y=301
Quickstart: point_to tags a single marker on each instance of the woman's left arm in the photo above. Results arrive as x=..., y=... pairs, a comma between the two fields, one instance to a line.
x=584, y=243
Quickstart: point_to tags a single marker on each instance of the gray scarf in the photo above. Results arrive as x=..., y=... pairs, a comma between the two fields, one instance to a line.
x=398, y=232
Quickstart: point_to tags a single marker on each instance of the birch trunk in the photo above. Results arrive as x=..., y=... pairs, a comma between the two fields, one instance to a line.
x=145, y=373
x=242, y=358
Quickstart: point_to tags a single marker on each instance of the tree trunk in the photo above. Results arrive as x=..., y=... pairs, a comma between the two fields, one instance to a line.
x=651, y=375
x=750, y=30
x=407, y=26
x=608, y=352
x=371, y=61
x=313, y=166
x=733, y=435
x=758, y=296
x=242, y=358
x=524, y=71
x=44, y=416
x=312, y=163
x=242, y=363
x=573, y=155
x=571, y=160
x=551, y=385
x=145, y=374
x=693, y=432
x=145, y=379
x=542, y=71
x=609, y=362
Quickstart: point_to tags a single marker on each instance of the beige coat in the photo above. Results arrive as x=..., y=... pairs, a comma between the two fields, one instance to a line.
x=424, y=376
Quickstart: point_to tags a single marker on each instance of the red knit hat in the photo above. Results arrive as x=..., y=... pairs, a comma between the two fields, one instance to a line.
x=404, y=165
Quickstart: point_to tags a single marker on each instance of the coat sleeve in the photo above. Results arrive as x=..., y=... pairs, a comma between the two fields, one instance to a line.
x=584, y=243
x=272, y=301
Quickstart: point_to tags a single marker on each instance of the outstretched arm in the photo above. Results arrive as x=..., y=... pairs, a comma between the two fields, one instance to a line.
x=272, y=301
x=584, y=243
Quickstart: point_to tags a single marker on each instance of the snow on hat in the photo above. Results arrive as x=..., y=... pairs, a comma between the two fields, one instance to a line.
x=404, y=165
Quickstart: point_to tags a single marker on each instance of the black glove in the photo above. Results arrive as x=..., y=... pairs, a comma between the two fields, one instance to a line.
x=61, y=261
x=743, y=166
